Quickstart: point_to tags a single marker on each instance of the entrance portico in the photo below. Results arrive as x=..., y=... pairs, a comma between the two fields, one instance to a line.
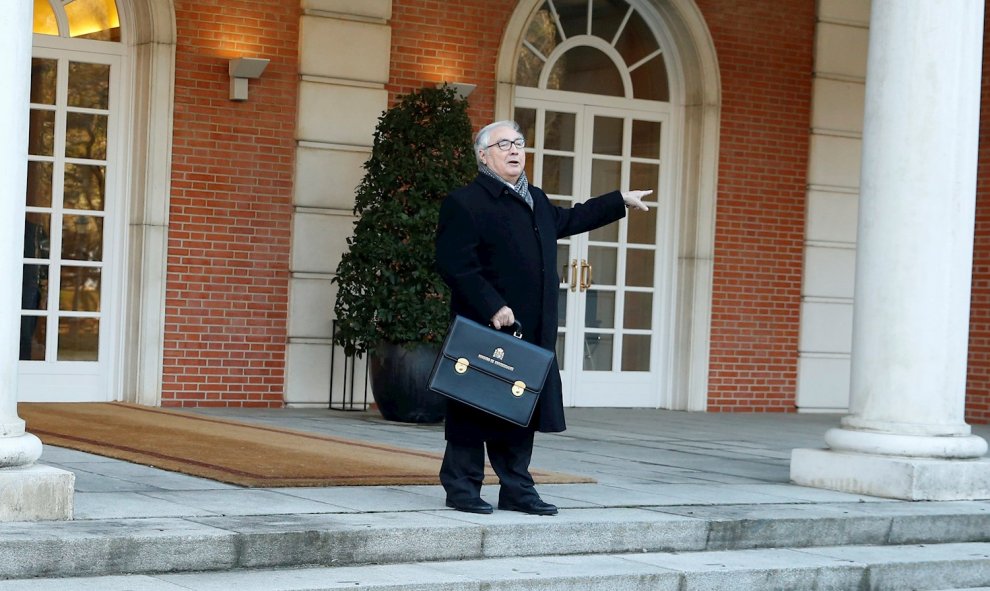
x=906, y=437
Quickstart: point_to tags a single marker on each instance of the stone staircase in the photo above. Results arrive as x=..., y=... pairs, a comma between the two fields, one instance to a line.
x=683, y=501
x=848, y=546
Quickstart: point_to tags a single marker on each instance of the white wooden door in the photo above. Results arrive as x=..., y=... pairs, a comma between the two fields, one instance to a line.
x=69, y=290
x=610, y=343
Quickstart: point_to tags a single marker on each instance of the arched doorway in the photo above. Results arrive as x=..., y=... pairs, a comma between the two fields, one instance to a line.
x=624, y=95
x=101, y=100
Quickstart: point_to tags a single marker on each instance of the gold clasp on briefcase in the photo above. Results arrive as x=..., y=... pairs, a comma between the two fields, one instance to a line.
x=462, y=365
x=518, y=388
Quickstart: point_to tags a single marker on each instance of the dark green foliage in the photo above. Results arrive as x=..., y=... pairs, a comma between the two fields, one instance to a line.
x=388, y=288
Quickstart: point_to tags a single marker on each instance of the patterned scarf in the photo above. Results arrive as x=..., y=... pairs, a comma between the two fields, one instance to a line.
x=521, y=187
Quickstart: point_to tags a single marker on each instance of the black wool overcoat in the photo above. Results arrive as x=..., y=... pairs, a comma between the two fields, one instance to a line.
x=494, y=251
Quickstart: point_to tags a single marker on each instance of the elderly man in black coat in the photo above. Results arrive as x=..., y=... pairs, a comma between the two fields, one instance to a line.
x=497, y=250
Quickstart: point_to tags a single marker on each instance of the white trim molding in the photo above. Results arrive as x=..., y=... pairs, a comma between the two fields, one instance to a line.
x=151, y=33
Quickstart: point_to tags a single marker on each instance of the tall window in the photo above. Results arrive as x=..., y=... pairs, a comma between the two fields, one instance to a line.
x=592, y=46
x=87, y=19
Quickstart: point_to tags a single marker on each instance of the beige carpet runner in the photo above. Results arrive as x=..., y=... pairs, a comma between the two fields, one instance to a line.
x=231, y=451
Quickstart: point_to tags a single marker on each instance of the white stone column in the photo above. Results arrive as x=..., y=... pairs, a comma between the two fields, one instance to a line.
x=16, y=447
x=906, y=437
x=27, y=491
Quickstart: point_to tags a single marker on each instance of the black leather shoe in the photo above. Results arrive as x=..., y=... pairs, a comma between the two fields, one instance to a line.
x=472, y=506
x=535, y=507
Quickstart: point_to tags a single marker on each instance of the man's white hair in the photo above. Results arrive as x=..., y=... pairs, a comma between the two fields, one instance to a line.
x=482, y=139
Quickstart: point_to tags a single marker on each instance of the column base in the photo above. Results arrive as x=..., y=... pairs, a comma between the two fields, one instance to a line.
x=19, y=450
x=36, y=493
x=888, y=443
x=911, y=479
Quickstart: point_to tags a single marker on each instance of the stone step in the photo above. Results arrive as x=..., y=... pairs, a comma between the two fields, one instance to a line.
x=175, y=545
x=860, y=568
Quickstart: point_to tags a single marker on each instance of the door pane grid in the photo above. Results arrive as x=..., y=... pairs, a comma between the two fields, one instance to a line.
x=607, y=327
x=65, y=211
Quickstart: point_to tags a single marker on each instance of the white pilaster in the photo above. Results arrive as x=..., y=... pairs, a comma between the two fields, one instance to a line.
x=906, y=436
x=343, y=61
x=26, y=491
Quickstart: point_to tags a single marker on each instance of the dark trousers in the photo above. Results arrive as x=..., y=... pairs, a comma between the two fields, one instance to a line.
x=463, y=470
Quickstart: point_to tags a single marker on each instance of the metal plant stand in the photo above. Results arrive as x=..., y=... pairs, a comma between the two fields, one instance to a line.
x=348, y=400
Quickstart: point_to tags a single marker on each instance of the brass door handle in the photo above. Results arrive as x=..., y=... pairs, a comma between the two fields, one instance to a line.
x=586, y=272
x=574, y=275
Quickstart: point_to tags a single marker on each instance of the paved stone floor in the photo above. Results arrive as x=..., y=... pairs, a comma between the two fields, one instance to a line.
x=637, y=457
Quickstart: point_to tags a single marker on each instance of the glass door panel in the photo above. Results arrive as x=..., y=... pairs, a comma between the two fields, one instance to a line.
x=639, y=268
x=559, y=131
x=638, y=310
x=599, y=310
x=636, y=352
x=558, y=175
x=39, y=184
x=645, y=139
x=42, y=132
x=63, y=344
x=526, y=118
x=607, y=139
x=605, y=175
x=598, y=351
x=602, y=267
x=89, y=85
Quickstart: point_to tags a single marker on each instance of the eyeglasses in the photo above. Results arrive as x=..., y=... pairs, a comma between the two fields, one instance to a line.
x=504, y=144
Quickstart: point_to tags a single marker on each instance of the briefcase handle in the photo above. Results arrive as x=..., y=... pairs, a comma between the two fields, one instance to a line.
x=516, y=329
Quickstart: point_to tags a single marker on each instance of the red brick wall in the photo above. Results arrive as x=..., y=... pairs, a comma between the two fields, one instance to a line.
x=978, y=383
x=230, y=211
x=231, y=206
x=765, y=62
x=765, y=57
x=442, y=41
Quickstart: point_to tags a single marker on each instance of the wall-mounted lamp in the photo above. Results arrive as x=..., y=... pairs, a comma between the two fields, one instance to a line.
x=461, y=89
x=241, y=69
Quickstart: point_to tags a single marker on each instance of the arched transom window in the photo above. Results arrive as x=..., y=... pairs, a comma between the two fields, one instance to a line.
x=592, y=46
x=86, y=19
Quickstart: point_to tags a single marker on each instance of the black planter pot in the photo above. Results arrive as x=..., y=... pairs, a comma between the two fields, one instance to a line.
x=399, y=377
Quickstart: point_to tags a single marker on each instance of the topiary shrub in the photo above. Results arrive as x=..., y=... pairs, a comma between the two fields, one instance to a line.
x=388, y=289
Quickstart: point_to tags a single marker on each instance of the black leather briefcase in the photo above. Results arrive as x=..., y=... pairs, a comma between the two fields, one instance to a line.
x=493, y=371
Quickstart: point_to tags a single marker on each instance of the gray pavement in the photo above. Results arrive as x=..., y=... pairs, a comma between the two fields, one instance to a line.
x=682, y=501
x=638, y=458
